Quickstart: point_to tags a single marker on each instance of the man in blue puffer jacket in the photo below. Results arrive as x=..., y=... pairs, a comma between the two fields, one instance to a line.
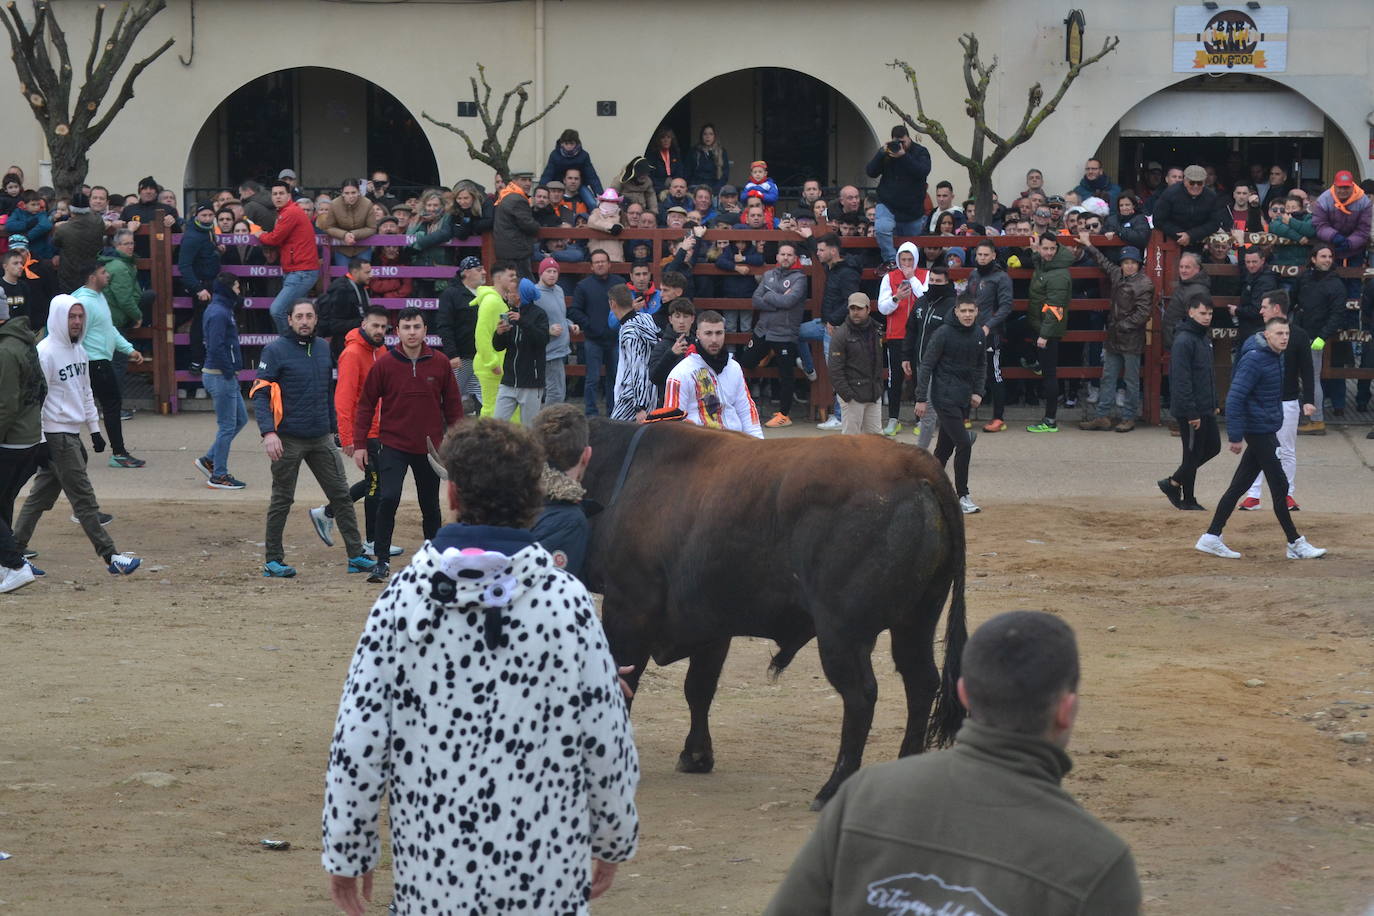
x=1254, y=413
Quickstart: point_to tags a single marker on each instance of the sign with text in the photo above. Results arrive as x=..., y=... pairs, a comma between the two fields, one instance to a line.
x=1230, y=39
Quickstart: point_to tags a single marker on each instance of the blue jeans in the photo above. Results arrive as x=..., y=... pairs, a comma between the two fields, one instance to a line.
x=599, y=354
x=885, y=225
x=295, y=285
x=812, y=330
x=339, y=259
x=230, y=416
x=1125, y=367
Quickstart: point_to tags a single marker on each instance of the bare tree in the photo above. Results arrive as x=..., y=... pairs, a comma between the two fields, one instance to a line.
x=977, y=76
x=72, y=129
x=494, y=151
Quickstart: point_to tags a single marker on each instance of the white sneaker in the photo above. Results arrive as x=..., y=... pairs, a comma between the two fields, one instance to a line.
x=1092, y=394
x=324, y=525
x=16, y=578
x=1211, y=543
x=1301, y=550
x=1121, y=399
x=831, y=424
x=892, y=427
x=371, y=551
x=968, y=505
x=810, y=376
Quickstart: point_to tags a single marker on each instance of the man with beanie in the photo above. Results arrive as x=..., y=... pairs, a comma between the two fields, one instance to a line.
x=101, y=342
x=1132, y=297
x=855, y=361
x=901, y=168
x=198, y=261
x=523, y=333
x=555, y=305
x=1341, y=216
x=419, y=401
x=456, y=324
x=68, y=407
x=23, y=387
x=985, y=826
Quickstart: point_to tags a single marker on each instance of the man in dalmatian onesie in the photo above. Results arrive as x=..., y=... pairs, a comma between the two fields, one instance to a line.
x=484, y=703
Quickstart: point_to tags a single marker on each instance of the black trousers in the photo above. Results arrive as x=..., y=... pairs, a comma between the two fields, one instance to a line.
x=785, y=361
x=1200, y=446
x=1261, y=454
x=954, y=440
x=109, y=394
x=367, y=489
x=391, y=470
x=896, y=378
x=1049, y=384
x=17, y=465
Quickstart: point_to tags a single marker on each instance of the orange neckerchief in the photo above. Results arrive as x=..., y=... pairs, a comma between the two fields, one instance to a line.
x=1356, y=193
x=510, y=188
x=30, y=259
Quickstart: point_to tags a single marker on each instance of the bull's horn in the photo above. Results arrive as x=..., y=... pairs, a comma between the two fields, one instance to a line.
x=434, y=461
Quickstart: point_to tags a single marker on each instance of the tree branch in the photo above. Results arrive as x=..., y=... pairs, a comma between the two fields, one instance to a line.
x=923, y=123
x=126, y=92
x=95, y=40
x=473, y=152
x=521, y=125
x=64, y=73
x=1032, y=120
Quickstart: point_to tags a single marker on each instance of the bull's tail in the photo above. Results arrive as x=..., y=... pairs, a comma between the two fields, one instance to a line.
x=948, y=714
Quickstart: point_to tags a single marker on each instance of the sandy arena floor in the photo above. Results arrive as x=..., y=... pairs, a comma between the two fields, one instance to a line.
x=156, y=728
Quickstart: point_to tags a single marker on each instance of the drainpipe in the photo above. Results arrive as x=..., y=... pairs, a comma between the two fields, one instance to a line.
x=539, y=143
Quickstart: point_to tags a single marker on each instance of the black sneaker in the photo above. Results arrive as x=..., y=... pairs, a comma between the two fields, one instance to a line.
x=105, y=519
x=1192, y=505
x=1173, y=491
x=380, y=573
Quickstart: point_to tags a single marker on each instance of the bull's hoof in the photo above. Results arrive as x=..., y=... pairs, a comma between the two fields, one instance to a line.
x=695, y=763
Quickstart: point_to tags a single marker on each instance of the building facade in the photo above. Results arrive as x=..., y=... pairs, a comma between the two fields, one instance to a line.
x=329, y=87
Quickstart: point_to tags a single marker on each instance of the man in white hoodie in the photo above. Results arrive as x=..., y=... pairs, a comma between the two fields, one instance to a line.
x=68, y=407
x=522, y=798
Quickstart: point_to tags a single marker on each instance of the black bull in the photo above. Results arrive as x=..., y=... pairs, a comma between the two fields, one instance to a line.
x=714, y=535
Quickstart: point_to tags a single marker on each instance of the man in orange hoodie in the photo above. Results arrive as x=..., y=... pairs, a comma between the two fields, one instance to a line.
x=361, y=348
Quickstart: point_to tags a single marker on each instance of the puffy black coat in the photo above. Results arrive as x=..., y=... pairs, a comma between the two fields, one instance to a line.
x=992, y=290
x=1178, y=211
x=1252, y=290
x=1192, y=390
x=1319, y=303
x=841, y=280
x=954, y=367
x=902, y=181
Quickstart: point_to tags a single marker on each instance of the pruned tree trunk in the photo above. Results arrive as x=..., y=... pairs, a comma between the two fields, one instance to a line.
x=72, y=126
x=977, y=76
x=494, y=151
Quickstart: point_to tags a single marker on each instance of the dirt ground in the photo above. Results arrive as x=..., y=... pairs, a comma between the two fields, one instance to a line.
x=155, y=729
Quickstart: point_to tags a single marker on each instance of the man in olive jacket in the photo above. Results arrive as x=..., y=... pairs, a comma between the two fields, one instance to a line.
x=984, y=827
x=855, y=361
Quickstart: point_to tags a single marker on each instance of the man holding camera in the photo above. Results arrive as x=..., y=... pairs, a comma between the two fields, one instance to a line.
x=901, y=168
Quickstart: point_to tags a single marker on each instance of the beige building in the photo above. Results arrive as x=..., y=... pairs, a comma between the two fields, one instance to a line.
x=334, y=89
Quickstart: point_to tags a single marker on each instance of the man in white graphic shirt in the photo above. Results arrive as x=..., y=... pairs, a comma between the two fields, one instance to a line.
x=708, y=386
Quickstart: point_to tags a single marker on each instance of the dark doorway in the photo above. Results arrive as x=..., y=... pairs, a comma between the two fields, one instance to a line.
x=396, y=142
x=259, y=126
x=1230, y=156
x=795, y=121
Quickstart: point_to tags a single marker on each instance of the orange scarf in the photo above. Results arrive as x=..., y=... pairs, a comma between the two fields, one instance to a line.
x=1356, y=192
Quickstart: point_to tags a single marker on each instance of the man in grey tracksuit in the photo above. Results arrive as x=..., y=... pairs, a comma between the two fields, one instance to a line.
x=553, y=301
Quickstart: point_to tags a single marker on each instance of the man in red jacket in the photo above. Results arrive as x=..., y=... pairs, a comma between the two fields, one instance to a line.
x=294, y=235
x=420, y=401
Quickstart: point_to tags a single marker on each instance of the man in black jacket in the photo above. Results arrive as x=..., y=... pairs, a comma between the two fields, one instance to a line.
x=455, y=322
x=1193, y=401
x=343, y=305
x=1319, y=309
x=1255, y=281
x=842, y=279
x=673, y=342
x=901, y=168
x=524, y=334
x=515, y=227
x=1189, y=211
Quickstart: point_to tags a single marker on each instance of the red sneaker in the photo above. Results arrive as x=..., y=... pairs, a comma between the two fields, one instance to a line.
x=1293, y=506
x=1249, y=504
x=996, y=426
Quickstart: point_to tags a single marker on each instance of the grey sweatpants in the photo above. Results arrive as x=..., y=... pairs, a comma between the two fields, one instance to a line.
x=324, y=461
x=555, y=380
x=65, y=473
x=526, y=400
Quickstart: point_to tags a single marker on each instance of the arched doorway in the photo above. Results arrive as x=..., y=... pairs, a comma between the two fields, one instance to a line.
x=802, y=126
x=325, y=124
x=1229, y=123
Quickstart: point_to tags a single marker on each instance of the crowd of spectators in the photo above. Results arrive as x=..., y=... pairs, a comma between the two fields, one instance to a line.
x=1257, y=217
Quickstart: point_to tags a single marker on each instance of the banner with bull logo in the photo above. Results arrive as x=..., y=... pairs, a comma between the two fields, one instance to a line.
x=1230, y=39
